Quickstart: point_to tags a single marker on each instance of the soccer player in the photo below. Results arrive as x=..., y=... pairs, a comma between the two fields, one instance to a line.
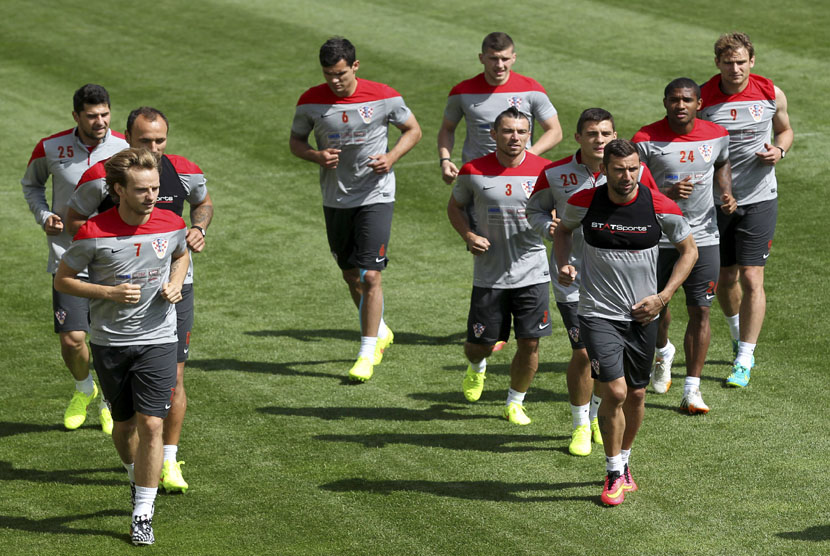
x=480, y=99
x=137, y=260
x=511, y=275
x=350, y=119
x=181, y=180
x=621, y=223
x=752, y=109
x=557, y=182
x=687, y=156
x=65, y=156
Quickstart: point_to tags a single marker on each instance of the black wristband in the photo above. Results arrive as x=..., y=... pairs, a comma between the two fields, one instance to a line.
x=441, y=160
x=201, y=230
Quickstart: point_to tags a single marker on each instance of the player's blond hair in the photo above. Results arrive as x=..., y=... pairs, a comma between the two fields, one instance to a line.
x=729, y=42
x=123, y=162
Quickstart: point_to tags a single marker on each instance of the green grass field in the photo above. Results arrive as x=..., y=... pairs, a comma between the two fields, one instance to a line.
x=283, y=455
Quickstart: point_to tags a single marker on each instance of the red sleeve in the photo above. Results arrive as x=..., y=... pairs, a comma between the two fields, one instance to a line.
x=664, y=205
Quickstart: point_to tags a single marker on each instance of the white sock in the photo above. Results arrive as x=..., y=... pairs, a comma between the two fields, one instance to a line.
x=103, y=404
x=692, y=382
x=595, y=401
x=144, y=498
x=383, y=330
x=579, y=413
x=665, y=351
x=170, y=451
x=87, y=386
x=745, y=351
x=130, y=467
x=614, y=464
x=367, y=346
x=515, y=397
x=479, y=367
x=734, y=323
x=625, y=454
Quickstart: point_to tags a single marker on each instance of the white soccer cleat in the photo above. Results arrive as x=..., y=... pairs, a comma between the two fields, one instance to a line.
x=693, y=402
x=661, y=374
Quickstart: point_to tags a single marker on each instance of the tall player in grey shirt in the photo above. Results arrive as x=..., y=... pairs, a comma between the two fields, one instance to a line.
x=137, y=259
x=350, y=118
x=751, y=108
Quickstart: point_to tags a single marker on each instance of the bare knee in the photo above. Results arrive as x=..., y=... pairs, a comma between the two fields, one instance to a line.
x=73, y=341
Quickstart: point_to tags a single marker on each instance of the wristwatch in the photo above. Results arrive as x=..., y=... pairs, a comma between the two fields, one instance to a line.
x=783, y=152
x=200, y=229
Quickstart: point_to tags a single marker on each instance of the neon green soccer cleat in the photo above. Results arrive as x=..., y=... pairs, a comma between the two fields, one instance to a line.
x=382, y=344
x=171, y=477
x=580, y=441
x=473, y=384
x=75, y=413
x=515, y=413
x=105, y=418
x=362, y=370
x=596, y=435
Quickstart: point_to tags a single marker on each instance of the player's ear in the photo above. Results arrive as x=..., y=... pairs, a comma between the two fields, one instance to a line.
x=355, y=65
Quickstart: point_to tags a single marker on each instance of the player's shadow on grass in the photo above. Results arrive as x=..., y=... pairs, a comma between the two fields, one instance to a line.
x=60, y=525
x=289, y=368
x=324, y=334
x=493, y=491
x=816, y=533
x=492, y=443
x=10, y=429
x=435, y=412
x=64, y=476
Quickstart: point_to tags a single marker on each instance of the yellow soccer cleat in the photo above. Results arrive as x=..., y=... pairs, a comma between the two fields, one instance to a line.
x=382, y=344
x=362, y=370
x=596, y=435
x=515, y=413
x=105, y=418
x=580, y=441
x=171, y=477
x=473, y=384
x=75, y=413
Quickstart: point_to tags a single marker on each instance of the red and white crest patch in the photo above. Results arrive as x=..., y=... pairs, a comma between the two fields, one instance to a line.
x=706, y=151
x=60, y=316
x=756, y=110
x=515, y=102
x=478, y=329
x=528, y=187
x=366, y=113
x=160, y=247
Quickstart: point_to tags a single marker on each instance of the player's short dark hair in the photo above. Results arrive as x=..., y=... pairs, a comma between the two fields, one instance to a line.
x=733, y=41
x=119, y=164
x=89, y=94
x=594, y=115
x=149, y=113
x=496, y=42
x=682, y=83
x=336, y=49
x=512, y=113
x=619, y=148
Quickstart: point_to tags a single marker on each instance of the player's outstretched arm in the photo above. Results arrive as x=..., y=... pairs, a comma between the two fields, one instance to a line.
x=66, y=281
x=411, y=134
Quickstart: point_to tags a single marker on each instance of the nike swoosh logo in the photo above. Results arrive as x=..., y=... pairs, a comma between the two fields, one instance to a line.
x=767, y=255
x=167, y=406
x=709, y=297
x=117, y=250
x=486, y=188
x=543, y=326
x=186, y=350
x=380, y=259
x=477, y=104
